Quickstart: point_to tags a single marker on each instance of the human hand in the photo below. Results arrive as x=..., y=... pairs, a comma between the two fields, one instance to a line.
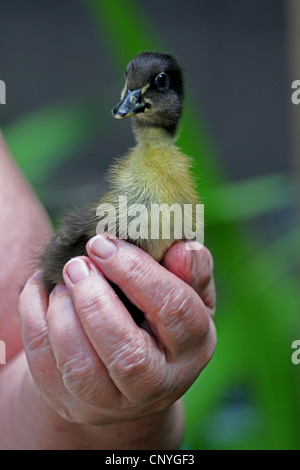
x=90, y=361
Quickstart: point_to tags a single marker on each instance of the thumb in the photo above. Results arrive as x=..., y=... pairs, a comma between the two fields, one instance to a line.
x=195, y=267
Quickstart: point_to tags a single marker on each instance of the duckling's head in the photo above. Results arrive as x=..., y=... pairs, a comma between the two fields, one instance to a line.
x=153, y=92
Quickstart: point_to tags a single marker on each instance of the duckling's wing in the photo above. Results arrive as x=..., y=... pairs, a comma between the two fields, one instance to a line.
x=69, y=241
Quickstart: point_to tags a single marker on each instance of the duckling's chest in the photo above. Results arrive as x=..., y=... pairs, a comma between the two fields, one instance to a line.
x=157, y=176
x=151, y=183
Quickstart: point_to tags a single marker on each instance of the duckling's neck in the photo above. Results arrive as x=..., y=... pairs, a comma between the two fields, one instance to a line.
x=152, y=136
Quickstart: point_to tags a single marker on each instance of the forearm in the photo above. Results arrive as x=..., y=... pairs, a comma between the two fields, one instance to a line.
x=25, y=229
x=27, y=422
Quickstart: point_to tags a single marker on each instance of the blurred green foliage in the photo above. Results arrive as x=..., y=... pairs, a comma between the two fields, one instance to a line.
x=248, y=396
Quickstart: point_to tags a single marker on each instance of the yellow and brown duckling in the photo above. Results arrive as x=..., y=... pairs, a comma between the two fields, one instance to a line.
x=153, y=172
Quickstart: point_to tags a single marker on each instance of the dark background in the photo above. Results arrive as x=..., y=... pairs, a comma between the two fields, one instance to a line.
x=237, y=63
x=234, y=53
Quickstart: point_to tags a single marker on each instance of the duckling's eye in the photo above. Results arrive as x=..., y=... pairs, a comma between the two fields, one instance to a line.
x=161, y=80
x=125, y=75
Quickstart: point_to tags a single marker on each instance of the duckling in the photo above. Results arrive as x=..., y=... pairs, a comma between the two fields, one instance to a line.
x=153, y=172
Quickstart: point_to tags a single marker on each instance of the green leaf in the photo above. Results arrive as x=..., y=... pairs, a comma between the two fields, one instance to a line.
x=44, y=139
x=249, y=198
x=124, y=28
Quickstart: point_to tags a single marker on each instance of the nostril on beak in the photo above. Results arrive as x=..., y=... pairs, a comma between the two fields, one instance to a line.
x=132, y=103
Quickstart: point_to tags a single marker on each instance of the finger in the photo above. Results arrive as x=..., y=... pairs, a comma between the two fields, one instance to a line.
x=129, y=353
x=195, y=267
x=83, y=372
x=33, y=305
x=173, y=310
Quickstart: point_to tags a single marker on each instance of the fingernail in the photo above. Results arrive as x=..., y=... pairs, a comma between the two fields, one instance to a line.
x=193, y=246
x=77, y=270
x=102, y=247
x=57, y=290
x=37, y=275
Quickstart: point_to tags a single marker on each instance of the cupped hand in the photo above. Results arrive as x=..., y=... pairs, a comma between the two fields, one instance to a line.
x=90, y=361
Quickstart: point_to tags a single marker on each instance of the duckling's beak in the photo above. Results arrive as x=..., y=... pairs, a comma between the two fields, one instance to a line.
x=131, y=104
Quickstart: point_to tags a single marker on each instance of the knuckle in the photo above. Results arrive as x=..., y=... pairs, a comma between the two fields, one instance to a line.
x=77, y=374
x=204, y=325
x=133, y=269
x=208, y=347
x=130, y=361
x=185, y=317
x=197, y=336
x=177, y=304
x=37, y=339
x=142, y=373
x=197, y=357
x=89, y=305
